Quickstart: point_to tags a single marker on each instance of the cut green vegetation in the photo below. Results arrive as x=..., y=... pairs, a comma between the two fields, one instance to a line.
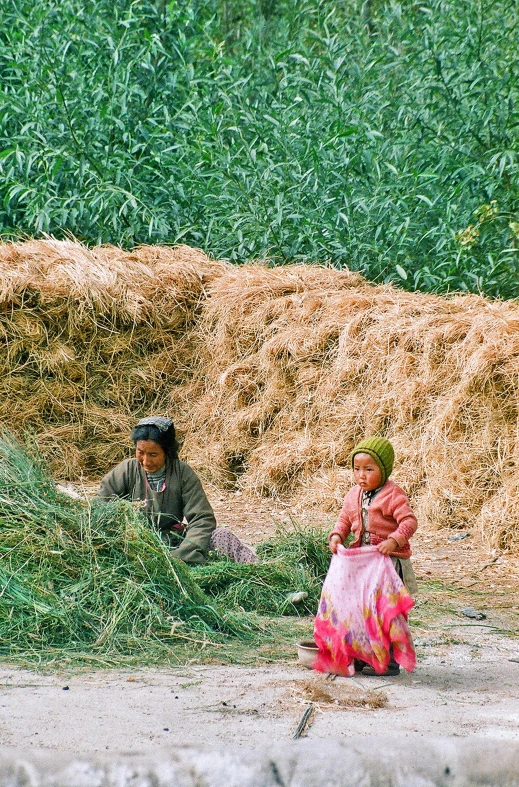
x=94, y=583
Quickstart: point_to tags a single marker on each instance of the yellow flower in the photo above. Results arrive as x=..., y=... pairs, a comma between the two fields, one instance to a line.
x=467, y=237
x=487, y=212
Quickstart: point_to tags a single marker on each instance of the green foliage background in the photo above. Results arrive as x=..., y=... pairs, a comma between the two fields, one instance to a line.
x=378, y=135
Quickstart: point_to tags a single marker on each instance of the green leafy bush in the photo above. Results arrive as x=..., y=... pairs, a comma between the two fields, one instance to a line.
x=379, y=136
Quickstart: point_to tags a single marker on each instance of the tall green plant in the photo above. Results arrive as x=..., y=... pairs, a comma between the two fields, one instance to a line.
x=369, y=135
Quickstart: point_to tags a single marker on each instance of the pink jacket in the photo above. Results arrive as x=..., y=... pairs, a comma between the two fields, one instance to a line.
x=388, y=515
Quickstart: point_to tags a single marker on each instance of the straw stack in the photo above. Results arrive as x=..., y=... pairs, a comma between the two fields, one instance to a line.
x=272, y=375
x=92, y=338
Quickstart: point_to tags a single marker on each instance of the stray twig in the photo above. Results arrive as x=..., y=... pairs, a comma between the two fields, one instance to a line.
x=490, y=563
x=305, y=721
x=478, y=625
x=494, y=559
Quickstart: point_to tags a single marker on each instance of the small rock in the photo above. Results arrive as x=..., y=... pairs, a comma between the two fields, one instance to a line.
x=295, y=598
x=459, y=537
x=475, y=614
x=65, y=688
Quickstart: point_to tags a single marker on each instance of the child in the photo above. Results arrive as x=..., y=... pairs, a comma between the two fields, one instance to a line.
x=377, y=512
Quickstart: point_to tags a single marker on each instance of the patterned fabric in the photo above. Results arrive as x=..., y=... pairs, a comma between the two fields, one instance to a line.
x=157, y=481
x=222, y=541
x=162, y=424
x=226, y=543
x=363, y=614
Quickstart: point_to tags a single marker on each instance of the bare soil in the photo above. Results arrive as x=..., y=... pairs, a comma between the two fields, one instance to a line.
x=466, y=680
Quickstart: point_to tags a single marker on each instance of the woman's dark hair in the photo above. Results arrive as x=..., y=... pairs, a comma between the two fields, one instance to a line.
x=166, y=439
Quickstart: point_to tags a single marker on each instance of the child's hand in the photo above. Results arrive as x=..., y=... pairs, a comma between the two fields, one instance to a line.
x=387, y=546
x=334, y=542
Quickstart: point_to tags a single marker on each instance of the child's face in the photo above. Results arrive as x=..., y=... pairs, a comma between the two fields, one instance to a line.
x=366, y=472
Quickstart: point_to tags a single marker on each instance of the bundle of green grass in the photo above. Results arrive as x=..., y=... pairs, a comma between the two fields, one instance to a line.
x=95, y=579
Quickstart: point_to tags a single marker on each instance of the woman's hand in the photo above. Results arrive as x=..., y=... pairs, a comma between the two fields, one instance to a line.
x=334, y=542
x=387, y=546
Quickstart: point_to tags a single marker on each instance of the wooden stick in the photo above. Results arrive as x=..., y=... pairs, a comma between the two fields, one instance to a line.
x=494, y=560
x=305, y=720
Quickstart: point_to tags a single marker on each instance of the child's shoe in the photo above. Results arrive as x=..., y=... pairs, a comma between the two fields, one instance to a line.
x=392, y=669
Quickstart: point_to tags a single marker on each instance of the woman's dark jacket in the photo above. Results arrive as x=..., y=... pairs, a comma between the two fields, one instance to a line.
x=182, y=502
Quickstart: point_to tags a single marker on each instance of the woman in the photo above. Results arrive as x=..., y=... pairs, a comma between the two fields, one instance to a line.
x=173, y=496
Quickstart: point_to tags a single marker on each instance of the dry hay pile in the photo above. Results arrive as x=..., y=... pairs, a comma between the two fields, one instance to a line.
x=331, y=695
x=90, y=338
x=301, y=362
x=272, y=374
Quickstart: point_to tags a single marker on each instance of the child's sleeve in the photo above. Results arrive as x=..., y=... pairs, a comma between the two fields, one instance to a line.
x=404, y=516
x=343, y=525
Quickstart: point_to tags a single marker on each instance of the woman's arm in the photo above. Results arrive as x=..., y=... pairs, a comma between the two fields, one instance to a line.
x=118, y=482
x=199, y=517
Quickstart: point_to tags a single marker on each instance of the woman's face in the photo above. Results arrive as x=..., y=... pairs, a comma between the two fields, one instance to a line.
x=150, y=455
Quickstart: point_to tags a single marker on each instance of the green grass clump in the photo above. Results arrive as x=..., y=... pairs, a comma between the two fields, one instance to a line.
x=96, y=579
x=294, y=561
x=307, y=547
x=81, y=577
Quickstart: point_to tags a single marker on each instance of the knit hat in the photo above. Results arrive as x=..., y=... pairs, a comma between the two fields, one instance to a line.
x=382, y=452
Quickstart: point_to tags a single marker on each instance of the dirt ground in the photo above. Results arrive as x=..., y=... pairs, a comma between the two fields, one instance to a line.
x=466, y=681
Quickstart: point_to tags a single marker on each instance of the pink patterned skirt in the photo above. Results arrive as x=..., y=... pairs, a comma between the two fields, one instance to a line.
x=363, y=614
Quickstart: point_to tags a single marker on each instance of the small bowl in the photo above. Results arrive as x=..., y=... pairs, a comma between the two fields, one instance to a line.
x=307, y=652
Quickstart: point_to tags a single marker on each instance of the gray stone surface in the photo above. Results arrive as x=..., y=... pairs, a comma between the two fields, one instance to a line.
x=366, y=762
